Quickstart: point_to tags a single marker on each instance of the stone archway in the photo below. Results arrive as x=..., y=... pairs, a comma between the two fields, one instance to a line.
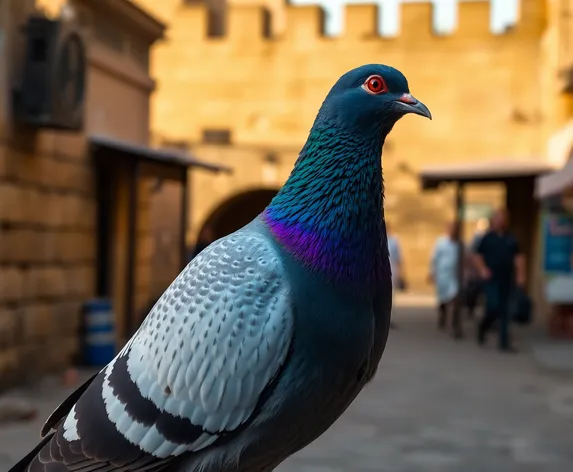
x=235, y=212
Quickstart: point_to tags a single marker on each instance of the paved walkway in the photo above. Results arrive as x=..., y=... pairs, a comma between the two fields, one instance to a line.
x=436, y=405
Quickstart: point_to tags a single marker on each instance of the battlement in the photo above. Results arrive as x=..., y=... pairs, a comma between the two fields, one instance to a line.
x=308, y=20
x=504, y=14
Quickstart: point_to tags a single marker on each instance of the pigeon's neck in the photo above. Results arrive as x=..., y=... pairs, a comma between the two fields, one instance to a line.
x=329, y=213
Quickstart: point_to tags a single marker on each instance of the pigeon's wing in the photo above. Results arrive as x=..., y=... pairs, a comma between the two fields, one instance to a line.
x=193, y=373
x=382, y=312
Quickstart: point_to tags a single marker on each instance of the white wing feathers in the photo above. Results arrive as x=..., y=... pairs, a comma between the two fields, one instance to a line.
x=196, y=368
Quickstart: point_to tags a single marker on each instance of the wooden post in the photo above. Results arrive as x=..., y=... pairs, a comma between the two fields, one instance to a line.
x=185, y=190
x=460, y=217
x=131, y=249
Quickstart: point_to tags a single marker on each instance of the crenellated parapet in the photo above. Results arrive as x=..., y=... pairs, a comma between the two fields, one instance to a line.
x=503, y=14
x=265, y=88
x=337, y=20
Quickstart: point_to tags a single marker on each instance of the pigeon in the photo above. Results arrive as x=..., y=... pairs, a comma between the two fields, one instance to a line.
x=268, y=335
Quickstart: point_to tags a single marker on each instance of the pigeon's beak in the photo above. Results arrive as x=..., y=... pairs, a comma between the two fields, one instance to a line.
x=409, y=104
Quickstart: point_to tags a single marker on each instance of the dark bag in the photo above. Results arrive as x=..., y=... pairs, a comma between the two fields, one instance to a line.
x=520, y=307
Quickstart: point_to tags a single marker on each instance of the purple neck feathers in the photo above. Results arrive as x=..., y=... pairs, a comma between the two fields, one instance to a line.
x=329, y=213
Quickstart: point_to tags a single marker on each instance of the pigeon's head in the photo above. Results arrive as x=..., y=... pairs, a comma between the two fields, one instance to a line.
x=371, y=98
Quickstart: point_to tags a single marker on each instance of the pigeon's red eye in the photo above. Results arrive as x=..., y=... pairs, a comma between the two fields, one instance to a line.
x=375, y=84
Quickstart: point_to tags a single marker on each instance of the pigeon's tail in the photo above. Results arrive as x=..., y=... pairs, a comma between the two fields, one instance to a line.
x=24, y=464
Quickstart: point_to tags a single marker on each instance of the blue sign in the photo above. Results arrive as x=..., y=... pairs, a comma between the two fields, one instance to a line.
x=557, y=242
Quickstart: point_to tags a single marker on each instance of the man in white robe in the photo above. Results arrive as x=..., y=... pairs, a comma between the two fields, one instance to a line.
x=444, y=275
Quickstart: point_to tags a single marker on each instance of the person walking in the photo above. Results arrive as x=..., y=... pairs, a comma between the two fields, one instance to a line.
x=502, y=266
x=444, y=275
x=395, y=255
x=474, y=283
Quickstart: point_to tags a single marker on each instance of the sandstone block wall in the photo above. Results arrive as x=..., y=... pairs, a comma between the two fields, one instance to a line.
x=47, y=250
x=483, y=90
x=47, y=197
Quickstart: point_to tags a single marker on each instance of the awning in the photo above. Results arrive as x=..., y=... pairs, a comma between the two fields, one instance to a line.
x=115, y=148
x=485, y=171
x=554, y=183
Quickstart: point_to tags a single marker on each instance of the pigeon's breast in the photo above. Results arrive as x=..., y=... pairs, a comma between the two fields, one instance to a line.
x=323, y=375
x=324, y=371
x=326, y=368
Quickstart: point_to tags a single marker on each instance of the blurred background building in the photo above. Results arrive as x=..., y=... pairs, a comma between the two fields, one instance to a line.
x=237, y=83
x=247, y=96
x=76, y=175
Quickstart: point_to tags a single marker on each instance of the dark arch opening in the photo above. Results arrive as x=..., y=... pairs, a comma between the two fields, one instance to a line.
x=235, y=213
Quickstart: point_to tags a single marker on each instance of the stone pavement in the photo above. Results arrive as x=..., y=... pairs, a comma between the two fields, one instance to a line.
x=436, y=405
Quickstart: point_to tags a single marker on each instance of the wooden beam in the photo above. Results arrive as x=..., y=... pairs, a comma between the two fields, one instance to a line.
x=131, y=249
x=460, y=217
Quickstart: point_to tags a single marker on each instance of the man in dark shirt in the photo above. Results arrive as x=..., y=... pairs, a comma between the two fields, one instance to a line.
x=501, y=265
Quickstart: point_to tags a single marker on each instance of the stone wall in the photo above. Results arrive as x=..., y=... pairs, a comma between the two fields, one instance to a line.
x=47, y=248
x=483, y=90
x=48, y=224
x=46, y=229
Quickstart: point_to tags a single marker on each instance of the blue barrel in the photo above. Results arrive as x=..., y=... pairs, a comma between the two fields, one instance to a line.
x=99, y=333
